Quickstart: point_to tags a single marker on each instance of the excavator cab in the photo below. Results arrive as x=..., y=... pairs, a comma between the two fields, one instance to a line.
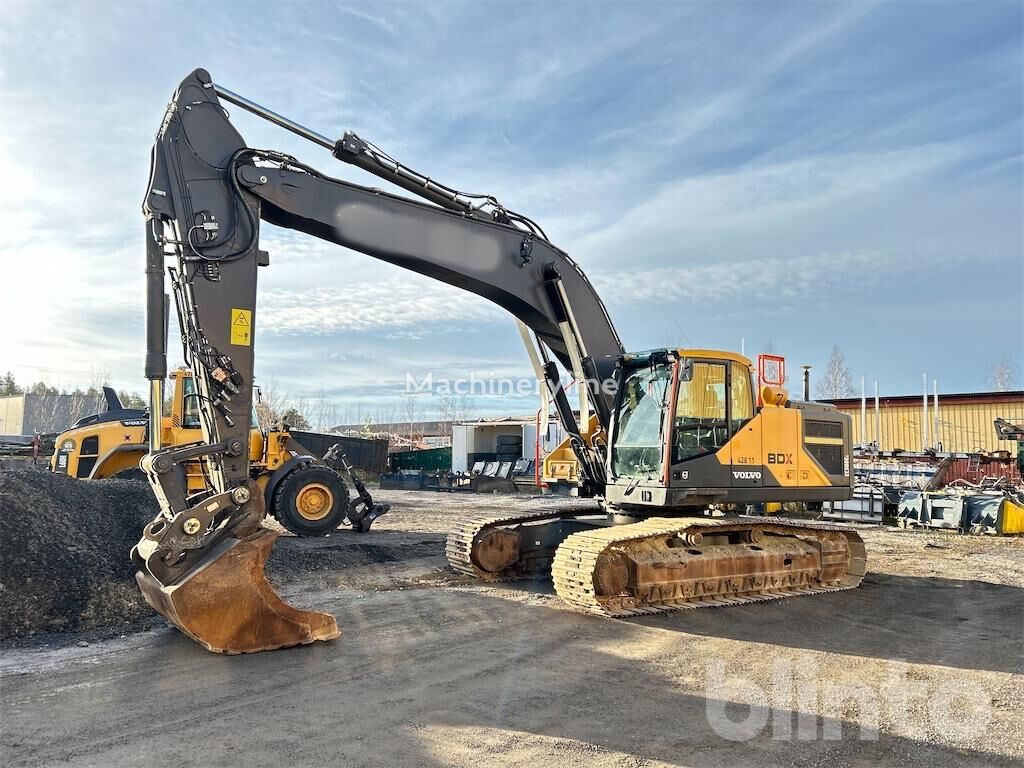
x=676, y=408
x=688, y=431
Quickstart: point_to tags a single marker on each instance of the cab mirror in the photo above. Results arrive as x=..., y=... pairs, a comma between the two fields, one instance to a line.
x=686, y=369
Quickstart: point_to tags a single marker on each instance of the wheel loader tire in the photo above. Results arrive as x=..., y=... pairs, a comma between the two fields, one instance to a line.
x=311, y=501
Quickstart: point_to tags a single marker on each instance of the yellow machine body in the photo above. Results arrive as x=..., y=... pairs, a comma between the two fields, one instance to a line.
x=1010, y=520
x=108, y=444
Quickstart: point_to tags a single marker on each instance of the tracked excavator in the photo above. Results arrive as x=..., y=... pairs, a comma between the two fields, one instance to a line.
x=663, y=435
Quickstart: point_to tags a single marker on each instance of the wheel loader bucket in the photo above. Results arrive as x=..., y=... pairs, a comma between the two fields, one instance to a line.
x=228, y=606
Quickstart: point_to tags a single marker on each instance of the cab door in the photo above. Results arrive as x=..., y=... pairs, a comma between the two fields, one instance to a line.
x=700, y=432
x=745, y=438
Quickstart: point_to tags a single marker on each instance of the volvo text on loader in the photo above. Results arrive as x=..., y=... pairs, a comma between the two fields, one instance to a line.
x=301, y=491
x=662, y=434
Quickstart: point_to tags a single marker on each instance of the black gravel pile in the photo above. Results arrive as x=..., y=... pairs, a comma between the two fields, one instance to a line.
x=64, y=547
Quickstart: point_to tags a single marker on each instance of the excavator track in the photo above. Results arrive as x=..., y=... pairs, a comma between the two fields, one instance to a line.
x=667, y=564
x=466, y=537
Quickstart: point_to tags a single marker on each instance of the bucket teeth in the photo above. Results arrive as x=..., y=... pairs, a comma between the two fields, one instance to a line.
x=228, y=606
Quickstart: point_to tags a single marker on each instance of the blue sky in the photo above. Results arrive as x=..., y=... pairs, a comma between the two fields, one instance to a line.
x=796, y=175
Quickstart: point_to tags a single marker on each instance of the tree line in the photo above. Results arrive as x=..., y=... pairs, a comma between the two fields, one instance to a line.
x=836, y=382
x=9, y=386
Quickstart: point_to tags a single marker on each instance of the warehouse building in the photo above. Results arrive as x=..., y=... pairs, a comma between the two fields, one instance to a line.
x=962, y=423
x=49, y=413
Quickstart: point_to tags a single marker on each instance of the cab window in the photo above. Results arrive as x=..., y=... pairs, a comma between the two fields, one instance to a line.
x=190, y=404
x=638, y=445
x=700, y=420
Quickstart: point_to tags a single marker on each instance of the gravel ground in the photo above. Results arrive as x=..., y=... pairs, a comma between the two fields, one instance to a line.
x=921, y=665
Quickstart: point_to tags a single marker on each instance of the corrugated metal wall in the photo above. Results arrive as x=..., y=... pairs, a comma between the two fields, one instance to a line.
x=12, y=414
x=55, y=413
x=963, y=427
x=25, y=414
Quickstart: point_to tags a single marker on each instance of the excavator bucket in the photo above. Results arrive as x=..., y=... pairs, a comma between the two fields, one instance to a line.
x=228, y=606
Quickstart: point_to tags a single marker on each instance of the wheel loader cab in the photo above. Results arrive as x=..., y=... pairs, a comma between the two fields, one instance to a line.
x=687, y=432
x=266, y=450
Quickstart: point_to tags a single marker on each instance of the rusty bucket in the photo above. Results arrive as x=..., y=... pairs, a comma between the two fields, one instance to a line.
x=228, y=606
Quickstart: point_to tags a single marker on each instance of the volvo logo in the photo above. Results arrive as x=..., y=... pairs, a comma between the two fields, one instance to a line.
x=747, y=475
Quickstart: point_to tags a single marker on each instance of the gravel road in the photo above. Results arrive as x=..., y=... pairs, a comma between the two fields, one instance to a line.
x=434, y=670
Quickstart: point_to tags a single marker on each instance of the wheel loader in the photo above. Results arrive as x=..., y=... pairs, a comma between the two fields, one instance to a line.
x=664, y=438
x=304, y=493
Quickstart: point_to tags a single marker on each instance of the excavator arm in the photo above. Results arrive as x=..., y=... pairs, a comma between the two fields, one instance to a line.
x=200, y=561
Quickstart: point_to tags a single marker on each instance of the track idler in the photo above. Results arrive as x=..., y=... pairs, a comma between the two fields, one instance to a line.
x=206, y=576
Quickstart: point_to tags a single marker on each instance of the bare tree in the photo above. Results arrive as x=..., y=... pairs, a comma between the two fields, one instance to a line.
x=1003, y=376
x=329, y=416
x=318, y=413
x=454, y=408
x=382, y=416
x=837, y=381
x=271, y=404
x=410, y=406
x=98, y=378
x=297, y=410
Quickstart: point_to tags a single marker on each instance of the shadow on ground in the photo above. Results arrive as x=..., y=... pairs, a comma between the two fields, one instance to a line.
x=422, y=678
x=948, y=622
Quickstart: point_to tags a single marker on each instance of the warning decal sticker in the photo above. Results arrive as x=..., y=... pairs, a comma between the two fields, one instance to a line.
x=241, y=327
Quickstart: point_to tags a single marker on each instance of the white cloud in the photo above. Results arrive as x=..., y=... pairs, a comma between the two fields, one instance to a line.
x=814, y=280
x=406, y=308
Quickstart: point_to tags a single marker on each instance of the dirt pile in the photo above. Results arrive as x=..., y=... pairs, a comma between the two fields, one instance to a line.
x=64, y=548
